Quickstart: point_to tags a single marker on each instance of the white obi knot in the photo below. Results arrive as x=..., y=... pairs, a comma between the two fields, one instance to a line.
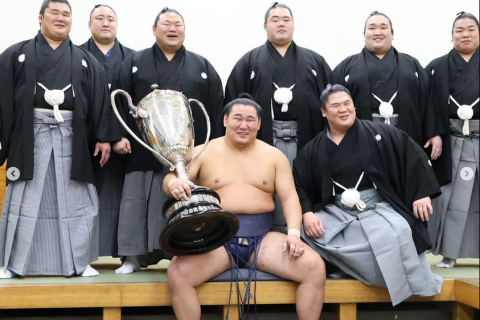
x=386, y=108
x=351, y=197
x=283, y=96
x=465, y=113
x=55, y=98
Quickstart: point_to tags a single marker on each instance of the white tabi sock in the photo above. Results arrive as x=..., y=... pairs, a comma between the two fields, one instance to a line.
x=6, y=274
x=130, y=265
x=89, y=272
x=446, y=263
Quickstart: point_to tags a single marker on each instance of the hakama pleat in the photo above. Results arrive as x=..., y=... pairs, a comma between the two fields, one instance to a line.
x=141, y=220
x=49, y=224
x=454, y=226
x=285, y=139
x=376, y=247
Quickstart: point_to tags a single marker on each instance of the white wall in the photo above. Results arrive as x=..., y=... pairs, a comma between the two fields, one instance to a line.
x=222, y=31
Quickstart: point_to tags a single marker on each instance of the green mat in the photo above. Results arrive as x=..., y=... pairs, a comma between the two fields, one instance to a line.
x=466, y=268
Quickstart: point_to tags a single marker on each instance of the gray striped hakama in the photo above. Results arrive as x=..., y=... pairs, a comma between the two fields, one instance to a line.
x=49, y=224
x=285, y=139
x=454, y=226
x=141, y=220
x=376, y=247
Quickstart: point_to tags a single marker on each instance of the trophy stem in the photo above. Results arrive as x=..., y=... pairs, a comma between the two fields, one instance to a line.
x=181, y=170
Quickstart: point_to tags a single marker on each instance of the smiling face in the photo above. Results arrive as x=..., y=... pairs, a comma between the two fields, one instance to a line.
x=169, y=32
x=378, y=34
x=339, y=111
x=56, y=22
x=103, y=25
x=279, y=26
x=241, y=125
x=465, y=36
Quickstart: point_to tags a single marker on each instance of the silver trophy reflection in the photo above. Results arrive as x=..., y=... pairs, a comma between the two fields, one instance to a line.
x=165, y=121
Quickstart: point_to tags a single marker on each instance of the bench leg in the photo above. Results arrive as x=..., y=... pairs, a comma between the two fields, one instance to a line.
x=232, y=314
x=462, y=312
x=112, y=313
x=347, y=311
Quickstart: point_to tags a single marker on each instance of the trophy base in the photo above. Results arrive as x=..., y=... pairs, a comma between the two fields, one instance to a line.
x=197, y=225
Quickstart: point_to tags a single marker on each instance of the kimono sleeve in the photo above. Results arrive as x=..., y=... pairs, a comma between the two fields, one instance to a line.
x=215, y=103
x=7, y=104
x=302, y=175
x=432, y=111
x=236, y=82
x=419, y=179
x=106, y=124
x=123, y=81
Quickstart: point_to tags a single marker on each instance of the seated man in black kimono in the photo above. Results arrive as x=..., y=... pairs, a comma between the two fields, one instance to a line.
x=247, y=190
x=365, y=190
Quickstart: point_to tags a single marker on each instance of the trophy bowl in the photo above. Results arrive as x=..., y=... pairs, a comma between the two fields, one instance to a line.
x=164, y=118
x=197, y=225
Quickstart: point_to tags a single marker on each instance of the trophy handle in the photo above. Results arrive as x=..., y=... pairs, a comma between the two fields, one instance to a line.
x=207, y=118
x=136, y=112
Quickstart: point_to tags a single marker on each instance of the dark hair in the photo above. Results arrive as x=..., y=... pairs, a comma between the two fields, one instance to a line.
x=464, y=15
x=376, y=13
x=167, y=9
x=45, y=4
x=329, y=90
x=276, y=5
x=101, y=5
x=246, y=100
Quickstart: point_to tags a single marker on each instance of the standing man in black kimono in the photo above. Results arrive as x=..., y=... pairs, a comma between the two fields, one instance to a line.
x=454, y=93
x=54, y=117
x=389, y=86
x=365, y=190
x=169, y=65
x=286, y=80
x=109, y=180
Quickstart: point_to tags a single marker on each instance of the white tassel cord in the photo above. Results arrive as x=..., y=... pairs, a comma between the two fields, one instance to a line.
x=55, y=98
x=465, y=112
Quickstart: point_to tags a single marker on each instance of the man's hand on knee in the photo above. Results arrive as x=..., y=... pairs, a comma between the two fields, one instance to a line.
x=181, y=189
x=293, y=245
x=313, y=225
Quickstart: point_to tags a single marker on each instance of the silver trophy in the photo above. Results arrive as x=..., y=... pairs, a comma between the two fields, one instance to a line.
x=165, y=121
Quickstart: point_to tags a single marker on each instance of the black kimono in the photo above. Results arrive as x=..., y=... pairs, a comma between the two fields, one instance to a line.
x=188, y=73
x=364, y=74
x=141, y=221
x=258, y=69
x=109, y=179
x=93, y=121
x=396, y=165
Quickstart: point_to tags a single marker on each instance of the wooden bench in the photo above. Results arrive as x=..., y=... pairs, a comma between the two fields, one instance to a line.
x=346, y=294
